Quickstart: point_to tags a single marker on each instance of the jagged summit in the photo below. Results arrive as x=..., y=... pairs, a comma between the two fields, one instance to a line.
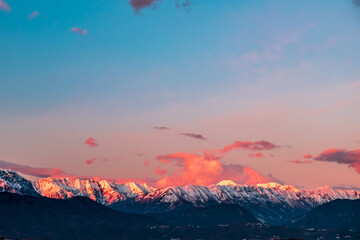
x=227, y=183
x=11, y=181
x=101, y=191
x=278, y=186
x=269, y=202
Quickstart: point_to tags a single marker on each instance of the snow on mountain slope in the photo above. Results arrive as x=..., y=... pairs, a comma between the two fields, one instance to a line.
x=229, y=192
x=101, y=191
x=11, y=181
x=270, y=202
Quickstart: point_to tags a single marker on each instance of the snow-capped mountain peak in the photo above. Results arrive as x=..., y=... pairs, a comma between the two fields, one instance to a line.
x=101, y=191
x=11, y=181
x=278, y=186
x=269, y=202
x=227, y=183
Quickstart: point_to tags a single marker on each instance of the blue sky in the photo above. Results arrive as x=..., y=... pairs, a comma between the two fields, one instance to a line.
x=190, y=69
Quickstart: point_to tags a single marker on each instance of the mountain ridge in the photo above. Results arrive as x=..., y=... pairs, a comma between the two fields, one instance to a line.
x=271, y=203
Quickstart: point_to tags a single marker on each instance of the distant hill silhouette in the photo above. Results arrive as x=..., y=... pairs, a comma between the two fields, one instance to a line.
x=341, y=213
x=28, y=217
x=76, y=218
x=208, y=216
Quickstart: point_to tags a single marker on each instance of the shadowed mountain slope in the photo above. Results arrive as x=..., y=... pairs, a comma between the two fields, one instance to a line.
x=341, y=213
x=225, y=214
x=76, y=218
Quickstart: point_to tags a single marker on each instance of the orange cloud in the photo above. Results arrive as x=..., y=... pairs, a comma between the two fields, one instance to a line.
x=341, y=156
x=208, y=169
x=308, y=156
x=191, y=169
x=91, y=142
x=160, y=171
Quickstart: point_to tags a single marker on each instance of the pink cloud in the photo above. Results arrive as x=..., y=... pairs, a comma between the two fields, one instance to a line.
x=341, y=156
x=256, y=155
x=193, y=135
x=90, y=161
x=33, y=15
x=79, y=31
x=308, y=156
x=297, y=161
x=4, y=6
x=203, y=170
x=91, y=142
x=160, y=171
x=208, y=169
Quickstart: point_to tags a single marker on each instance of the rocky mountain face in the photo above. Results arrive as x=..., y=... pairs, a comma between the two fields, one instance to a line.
x=270, y=202
x=101, y=191
x=12, y=182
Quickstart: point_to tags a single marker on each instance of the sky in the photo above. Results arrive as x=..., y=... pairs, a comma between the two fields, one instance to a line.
x=178, y=92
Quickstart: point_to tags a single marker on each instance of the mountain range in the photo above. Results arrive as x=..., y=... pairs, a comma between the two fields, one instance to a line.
x=270, y=203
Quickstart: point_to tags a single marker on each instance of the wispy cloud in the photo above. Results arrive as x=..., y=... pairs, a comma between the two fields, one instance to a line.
x=346, y=187
x=193, y=135
x=256, y=155
x=341, y=156
x=161, y=128
x=253, y=146
x=79, y=30
x=91, y=142
x=59, y=173
x=33, y=171
x=356, y=2
x=33, y=15
x=137, y=5
x=4, y=6
x=308, y=156
x=297, y=161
